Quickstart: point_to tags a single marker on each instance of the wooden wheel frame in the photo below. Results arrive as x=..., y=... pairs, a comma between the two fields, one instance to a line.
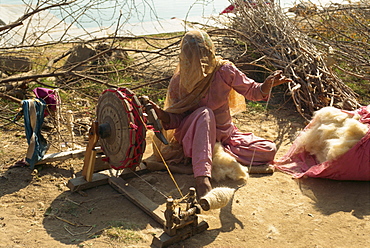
x=122, y=128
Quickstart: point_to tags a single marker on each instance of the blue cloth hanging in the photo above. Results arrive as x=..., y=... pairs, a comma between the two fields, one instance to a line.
x=33, y=112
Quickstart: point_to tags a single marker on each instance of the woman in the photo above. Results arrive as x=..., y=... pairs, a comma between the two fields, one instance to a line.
x=197, y=107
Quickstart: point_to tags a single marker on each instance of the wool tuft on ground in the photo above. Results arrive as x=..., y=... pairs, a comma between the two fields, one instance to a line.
x=224, y=165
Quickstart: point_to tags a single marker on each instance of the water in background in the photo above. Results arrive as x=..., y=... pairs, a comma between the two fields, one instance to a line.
x=148, y=10
x=133, y=17
x=144, y=11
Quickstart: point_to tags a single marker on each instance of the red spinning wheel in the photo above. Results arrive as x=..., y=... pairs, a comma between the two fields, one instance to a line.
x=121, y=128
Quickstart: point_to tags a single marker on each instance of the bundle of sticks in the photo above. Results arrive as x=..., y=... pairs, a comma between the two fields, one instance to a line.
x=281, y=46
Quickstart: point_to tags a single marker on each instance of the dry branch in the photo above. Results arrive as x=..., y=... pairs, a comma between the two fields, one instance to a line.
x=341, y=30
x=271, y=33
x=11, y=86
x=11, y=98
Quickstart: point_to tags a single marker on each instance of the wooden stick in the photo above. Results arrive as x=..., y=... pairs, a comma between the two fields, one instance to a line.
x=90, y=155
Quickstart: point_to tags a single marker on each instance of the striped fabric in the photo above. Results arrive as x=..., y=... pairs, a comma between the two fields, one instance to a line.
x=33, y=112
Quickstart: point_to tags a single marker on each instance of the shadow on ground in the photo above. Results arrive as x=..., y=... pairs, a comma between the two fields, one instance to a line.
x=73, y=218
x=332, y=196
x=17, y=178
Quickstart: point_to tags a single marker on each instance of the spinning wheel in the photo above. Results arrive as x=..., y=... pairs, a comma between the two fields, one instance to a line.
x=120, y=130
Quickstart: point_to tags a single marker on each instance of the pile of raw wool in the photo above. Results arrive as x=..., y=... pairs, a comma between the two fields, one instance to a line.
x=331, y=133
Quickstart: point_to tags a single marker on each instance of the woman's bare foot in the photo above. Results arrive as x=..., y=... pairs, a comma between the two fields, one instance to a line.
x=203, y=186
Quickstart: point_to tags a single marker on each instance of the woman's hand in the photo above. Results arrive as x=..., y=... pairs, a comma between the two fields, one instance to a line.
x=275, y=79
x=162, y=115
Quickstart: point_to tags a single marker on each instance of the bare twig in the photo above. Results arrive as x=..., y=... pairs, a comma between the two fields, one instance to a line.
x=11, y=98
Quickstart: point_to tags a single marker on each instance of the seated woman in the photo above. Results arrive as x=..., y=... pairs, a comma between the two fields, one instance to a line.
x=197, y=108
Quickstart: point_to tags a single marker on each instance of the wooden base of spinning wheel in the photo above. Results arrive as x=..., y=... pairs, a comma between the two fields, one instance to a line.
x=178, y=224
x=172, y=233
x=175, y=229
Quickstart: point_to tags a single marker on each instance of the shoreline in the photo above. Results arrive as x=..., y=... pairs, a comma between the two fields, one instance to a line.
x=46, y=27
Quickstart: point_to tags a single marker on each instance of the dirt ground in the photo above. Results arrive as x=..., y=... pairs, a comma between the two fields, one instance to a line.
x=37, y=209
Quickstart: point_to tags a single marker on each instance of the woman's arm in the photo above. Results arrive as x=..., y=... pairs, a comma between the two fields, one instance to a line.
x=246, y=86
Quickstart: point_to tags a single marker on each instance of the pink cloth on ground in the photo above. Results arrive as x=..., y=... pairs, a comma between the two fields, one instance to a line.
x=352, y=165
x=196, y=131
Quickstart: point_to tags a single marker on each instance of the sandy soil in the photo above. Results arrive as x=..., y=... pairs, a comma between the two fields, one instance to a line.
x=271, y=210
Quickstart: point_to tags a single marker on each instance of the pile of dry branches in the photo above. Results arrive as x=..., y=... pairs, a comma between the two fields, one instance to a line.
x=280, y=45
x=342, y=30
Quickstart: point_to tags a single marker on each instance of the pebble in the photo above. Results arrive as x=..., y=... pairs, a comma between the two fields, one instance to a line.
x=40, y=205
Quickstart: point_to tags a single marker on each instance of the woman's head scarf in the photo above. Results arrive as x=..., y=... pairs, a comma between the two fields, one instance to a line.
x=194, y=73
